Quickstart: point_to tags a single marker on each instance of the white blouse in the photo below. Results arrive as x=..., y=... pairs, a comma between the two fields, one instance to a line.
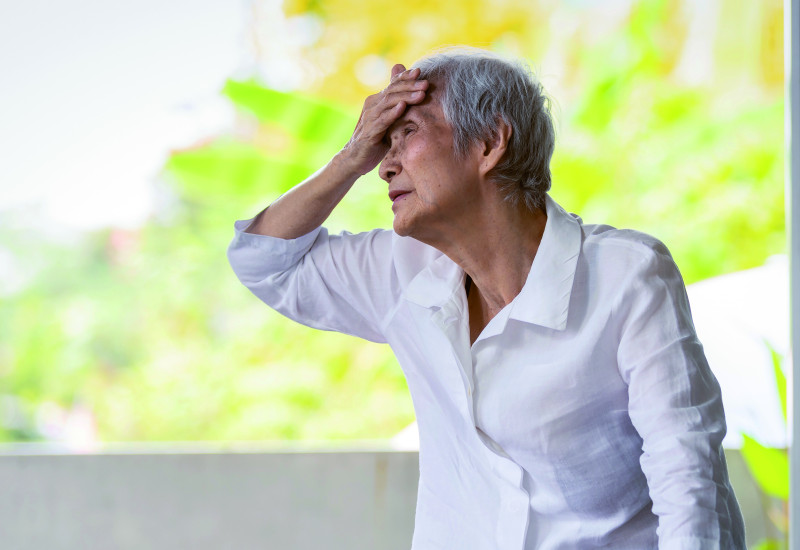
x=584, y=415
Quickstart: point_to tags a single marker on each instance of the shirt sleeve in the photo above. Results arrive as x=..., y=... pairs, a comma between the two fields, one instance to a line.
x=676, y=406
x=341, y=283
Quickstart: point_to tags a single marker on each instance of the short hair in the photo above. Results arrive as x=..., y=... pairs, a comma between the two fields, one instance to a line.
x=477, y=89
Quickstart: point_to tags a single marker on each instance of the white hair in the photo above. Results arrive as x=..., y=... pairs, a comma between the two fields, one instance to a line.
x=479, y=88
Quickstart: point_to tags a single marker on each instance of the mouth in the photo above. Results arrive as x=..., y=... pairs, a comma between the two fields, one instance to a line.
x=397, y=193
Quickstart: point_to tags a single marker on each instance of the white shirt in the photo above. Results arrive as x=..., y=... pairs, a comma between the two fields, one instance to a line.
x=584, y=415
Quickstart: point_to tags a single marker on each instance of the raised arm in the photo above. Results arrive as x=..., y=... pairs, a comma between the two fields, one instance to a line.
x=308, y=205
x=343, y=282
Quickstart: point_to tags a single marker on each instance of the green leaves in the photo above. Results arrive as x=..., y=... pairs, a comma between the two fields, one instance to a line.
x=770, y=467
x=234, y=170
x=780, y=378
x=769, y=544
x=292, y=136
x=304, y=117
x=158, y=338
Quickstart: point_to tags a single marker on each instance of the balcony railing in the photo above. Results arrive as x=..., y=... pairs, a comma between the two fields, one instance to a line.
x=202, y=496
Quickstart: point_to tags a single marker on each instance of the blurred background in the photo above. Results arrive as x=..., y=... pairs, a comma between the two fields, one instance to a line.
x=133, y=134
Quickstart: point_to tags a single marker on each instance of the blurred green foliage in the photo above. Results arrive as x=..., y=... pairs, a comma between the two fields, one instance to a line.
x=770, y=469
x=150, y=330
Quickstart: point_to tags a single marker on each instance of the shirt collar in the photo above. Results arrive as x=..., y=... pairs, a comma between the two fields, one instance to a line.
x=435, y=284
x=544, y=300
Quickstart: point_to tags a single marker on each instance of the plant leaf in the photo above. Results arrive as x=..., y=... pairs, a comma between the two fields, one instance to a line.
x=769, y=544
x=780, y=378
x=770, y=467
x=306, y=118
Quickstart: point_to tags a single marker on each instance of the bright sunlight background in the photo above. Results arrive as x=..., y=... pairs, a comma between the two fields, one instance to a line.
x=133, y=134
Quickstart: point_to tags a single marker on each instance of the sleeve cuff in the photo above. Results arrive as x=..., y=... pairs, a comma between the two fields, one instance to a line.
x=254, y=257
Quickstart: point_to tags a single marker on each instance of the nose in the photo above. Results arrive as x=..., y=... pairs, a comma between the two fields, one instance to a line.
x=390, y=166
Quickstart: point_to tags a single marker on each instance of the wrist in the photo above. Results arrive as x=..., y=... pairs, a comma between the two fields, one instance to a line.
x=346, y=165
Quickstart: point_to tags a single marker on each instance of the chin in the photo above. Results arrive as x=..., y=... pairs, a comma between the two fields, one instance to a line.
x=401, y=226
x=401, y=230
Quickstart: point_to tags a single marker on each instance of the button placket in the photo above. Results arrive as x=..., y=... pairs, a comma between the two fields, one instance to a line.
x=449, y=319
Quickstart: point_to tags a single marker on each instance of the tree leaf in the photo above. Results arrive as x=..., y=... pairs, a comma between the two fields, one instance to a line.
x=769, y=544
x=306, y=118
x=770, y=467
x=780, y=378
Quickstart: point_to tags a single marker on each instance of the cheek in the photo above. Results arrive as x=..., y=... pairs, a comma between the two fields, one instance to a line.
x=425, y=155
x=415, y=151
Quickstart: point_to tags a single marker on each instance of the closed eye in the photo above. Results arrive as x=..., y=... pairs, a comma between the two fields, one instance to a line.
x=400, y=131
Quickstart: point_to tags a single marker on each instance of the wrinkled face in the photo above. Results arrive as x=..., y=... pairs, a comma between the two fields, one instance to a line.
x=431, y=190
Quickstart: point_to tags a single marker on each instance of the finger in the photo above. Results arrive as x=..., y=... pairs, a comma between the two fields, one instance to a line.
x=381, y=120
x=408, y=75
x=393, y=105
x=397, y=69
x=401, y=85
x=387, y=118
x=409, y=96
x=379, y=116
x=413, y=74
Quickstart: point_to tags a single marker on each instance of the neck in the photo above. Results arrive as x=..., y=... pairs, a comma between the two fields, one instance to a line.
x=495, y=245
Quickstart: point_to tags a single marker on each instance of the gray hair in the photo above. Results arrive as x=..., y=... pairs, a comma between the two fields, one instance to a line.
x=478, y=88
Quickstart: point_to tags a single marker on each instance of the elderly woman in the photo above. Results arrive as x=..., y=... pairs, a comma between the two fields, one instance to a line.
x=562, y=396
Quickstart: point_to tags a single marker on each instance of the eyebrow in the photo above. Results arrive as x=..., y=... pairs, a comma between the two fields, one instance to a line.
x=395, y=126
x=400, y=121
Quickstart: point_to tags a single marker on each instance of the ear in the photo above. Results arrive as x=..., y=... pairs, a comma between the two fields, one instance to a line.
x=495, y=147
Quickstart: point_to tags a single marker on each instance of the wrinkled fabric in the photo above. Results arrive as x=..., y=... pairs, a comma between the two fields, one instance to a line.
x=585, y=414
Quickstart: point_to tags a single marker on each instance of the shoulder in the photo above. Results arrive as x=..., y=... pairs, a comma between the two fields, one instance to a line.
x=628, y=259
x=630, y=264
x=624, y=247
x=602, y=246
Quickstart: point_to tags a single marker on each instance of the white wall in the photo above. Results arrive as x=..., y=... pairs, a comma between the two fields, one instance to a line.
x=210, y=500
x=343, y=500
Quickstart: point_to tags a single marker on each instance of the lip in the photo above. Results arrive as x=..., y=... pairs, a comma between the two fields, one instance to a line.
x=394, y=194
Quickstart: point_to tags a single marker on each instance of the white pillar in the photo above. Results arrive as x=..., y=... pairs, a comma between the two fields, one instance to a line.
x=792, y=64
